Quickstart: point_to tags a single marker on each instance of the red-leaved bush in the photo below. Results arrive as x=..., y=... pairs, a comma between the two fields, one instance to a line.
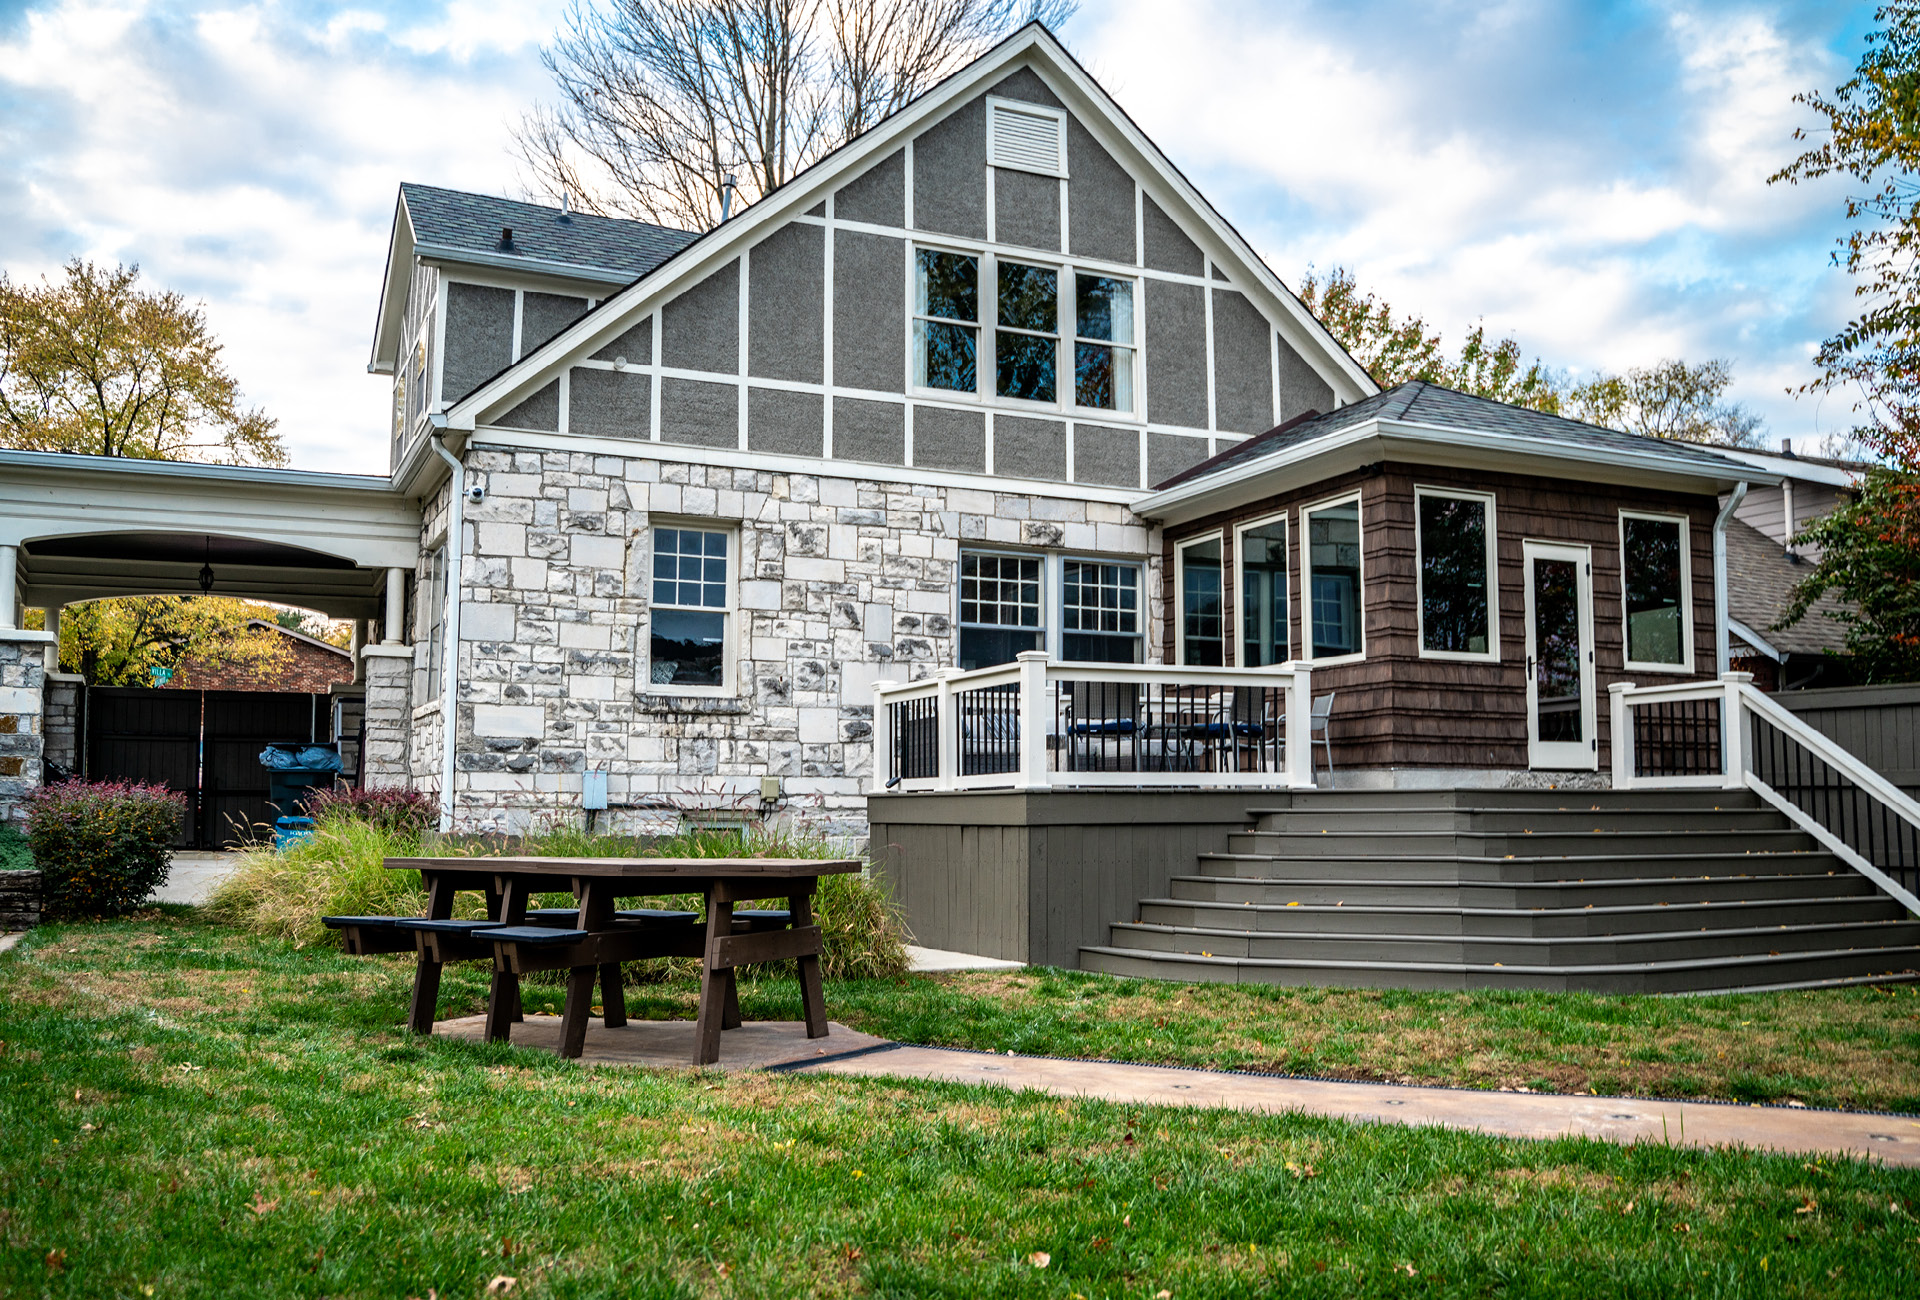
x=393, y=808
x=101, y=846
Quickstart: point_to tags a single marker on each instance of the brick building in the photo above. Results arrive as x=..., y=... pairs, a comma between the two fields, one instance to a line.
x=314, y=667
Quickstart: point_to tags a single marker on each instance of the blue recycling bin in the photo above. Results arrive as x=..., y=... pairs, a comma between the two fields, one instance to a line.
x=289, y=831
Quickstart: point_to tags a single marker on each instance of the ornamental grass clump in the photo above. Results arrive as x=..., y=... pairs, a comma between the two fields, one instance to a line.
x=101, y=846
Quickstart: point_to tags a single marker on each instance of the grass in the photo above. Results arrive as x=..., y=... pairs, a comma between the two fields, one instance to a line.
x=1852, y=1048
x=187, y=1109
x=15, y=855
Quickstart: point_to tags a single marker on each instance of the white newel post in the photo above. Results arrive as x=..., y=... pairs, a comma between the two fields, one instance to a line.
x=1620, y=729
x=1733, y=731
x=882, y=737
x=948, y=764
x=394, y=623
x=1299, y=724
x=1033, y=719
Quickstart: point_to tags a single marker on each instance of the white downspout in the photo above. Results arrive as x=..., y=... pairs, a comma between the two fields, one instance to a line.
x=450, y=665
x=1722, y=643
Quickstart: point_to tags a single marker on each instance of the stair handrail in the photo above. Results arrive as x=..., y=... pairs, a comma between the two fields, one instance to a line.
x=1740, y=700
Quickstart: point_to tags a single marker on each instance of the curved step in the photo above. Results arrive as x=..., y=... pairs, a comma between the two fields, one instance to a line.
x=1514, y=893
x=1445, y=867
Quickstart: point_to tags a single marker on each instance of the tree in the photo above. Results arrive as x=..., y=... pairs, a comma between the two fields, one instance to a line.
x=661, y=101
x=1669, y=400
x=1873, y=136
x=1871, y=558
x=120, y=641
x=92, y=364
x=1396, y=350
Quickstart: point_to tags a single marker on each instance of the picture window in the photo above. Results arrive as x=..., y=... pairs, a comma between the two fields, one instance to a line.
x=1654, y=579
x=1458, y=596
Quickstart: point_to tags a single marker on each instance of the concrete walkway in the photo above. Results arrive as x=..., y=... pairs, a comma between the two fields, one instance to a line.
x=194, y=875
x=783, y=1046
x=934, y=961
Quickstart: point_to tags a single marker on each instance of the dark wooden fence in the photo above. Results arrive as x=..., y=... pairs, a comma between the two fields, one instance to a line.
x=1879, y=725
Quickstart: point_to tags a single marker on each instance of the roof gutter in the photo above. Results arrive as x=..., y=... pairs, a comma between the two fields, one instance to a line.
x=517, y=262
x=450, y=664
x=1722, y=643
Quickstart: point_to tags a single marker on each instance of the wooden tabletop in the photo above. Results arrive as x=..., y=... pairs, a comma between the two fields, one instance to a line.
x=690, y=868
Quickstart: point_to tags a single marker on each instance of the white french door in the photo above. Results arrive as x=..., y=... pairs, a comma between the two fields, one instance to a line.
x=1560, y=707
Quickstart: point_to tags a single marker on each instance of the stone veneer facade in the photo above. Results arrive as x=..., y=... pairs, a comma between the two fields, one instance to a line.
x=23, y=677
x=842, y=582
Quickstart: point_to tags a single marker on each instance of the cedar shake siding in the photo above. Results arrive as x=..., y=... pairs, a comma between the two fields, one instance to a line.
x=1396, y=709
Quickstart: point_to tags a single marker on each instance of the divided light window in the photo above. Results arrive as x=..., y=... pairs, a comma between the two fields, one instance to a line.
x=1459, y=612
x=690, y=608
x=1261, y=552
x=1332, y=552
x=1202, y=642
x=946, y=324
x=1655, y=578
x=1000, y=608
x=1099, y=612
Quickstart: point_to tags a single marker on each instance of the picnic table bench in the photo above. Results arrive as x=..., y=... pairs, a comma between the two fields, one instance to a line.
x=592, y=939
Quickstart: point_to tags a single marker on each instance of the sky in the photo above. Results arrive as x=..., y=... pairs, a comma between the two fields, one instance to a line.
x=1587, y=178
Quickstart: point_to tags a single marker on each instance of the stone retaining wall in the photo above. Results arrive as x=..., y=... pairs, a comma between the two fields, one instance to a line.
x=19, y=900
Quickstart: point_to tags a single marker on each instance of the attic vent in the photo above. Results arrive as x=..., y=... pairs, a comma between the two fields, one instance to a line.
x=1026, y=138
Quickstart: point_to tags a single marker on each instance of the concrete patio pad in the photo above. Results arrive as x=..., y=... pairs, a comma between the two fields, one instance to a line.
x=755, y=1045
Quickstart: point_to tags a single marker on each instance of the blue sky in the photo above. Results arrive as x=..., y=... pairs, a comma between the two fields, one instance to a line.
x=1588, y=178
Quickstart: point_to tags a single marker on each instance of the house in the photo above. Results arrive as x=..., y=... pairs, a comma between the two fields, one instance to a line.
x=312, y=667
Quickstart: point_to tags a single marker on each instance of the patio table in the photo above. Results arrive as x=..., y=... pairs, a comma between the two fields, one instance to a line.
x=601, y=941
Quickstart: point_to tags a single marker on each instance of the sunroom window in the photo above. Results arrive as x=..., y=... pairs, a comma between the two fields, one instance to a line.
x=1456, y=566
x=1000, y=608
x=1027, y=342
x=1262, y=552
x=1202, y=622
x=1099, y=612
x=946, y=325
x=1333, y=578
x=690, y=608
x=1654, y=565
x=1103, y=335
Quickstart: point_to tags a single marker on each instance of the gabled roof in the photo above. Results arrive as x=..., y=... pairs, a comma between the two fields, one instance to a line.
x=1034, y=46
x=1428, y=423
x=455, y=226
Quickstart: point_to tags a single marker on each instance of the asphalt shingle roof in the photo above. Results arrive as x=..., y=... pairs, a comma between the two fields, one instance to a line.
x=1418, y=402
x=1760, y=583
x=473, y=222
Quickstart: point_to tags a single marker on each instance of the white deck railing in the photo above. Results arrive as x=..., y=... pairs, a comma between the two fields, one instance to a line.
x=1037, y=725
x=1727, y=735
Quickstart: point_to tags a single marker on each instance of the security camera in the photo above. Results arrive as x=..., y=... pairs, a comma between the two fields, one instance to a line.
x=476, y=494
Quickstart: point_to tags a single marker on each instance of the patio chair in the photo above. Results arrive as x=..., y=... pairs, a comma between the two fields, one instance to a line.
x=1319, y=733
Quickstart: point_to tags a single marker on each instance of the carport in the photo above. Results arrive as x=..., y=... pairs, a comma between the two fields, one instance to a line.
x=80, y=528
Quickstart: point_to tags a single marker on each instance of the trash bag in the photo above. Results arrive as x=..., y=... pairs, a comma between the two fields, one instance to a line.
x=300, y=758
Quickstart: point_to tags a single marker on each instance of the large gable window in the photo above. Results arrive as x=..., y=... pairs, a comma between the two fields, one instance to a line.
x=946, y=324
x=1459, y=613
x=1102, y=351
x=1027, y=343
x=1656, y=576
x=1333, y=578
x=692, y=586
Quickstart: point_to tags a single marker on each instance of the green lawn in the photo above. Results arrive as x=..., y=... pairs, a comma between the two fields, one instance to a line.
x=186, y=1110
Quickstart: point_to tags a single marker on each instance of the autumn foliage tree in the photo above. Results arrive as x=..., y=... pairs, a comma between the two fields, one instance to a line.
x=121, y=641
x=93, y=364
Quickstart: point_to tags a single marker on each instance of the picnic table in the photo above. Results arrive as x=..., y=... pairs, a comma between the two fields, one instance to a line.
x=592, y=939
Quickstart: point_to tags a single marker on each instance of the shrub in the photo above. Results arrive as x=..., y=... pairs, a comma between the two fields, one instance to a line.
x=393, y=808
x=101, y=846
x=14, y=853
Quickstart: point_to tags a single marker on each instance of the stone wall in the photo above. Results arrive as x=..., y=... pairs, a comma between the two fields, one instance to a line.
x=19, y=900
x=841, y=582
x=60, y=731
x=22, y=682
x=386, y=758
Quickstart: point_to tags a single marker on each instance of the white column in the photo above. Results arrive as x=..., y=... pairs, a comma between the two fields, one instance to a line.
x=1620, y=729
x=1733, y=731
x=9, y=563
x=947, y=771
x=391, y=632
x=1033, y=719
x=53, y=630
x=1299, y=723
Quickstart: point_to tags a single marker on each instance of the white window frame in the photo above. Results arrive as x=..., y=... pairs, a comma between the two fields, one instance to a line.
x=1048, y=631
x=1057, y=639
x=1180, y=596
x=1066, y=334
x=1685, y=668
x=1059, y=116
x=1240, y=587
x=730, y=625
x=1306, y=581
x=430, y=601
x=982, y=331
x=1072, y=338
x=1492, y=654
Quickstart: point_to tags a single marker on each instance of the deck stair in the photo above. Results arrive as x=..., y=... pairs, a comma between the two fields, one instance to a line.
x=1630, y=892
